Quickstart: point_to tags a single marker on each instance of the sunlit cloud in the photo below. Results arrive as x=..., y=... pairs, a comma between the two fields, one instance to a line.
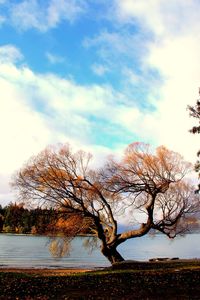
x=174, y=53
x=160, y=17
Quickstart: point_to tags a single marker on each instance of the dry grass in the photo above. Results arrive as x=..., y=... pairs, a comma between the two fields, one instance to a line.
x=162, y=280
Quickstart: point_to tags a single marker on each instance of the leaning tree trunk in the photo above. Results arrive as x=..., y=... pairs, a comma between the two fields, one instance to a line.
x=112, y=254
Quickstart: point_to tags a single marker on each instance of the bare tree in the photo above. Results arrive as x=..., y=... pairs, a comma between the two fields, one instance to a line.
x=153, y=183
x=145, y=181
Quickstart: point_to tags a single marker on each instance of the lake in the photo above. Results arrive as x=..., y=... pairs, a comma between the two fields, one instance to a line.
x=29, y=251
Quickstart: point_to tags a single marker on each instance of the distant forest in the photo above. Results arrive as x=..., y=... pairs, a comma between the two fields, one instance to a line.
x=18, y=219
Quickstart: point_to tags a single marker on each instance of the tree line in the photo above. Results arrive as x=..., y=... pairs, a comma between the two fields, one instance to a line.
x=15, y=218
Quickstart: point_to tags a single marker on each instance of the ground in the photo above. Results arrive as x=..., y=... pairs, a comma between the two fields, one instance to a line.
x=131, y=280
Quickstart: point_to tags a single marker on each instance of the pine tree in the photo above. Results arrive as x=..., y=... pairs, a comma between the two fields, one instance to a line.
x=194, y=111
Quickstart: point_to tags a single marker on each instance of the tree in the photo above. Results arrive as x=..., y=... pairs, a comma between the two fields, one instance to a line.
x=194, y=112
x=18, y=219
x=143, y=180
x=1, y=218
x=13, y=220
x=153, y=184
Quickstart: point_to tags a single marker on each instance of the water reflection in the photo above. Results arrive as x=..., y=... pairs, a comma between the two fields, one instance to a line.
x=160, y=246
x=32, y=251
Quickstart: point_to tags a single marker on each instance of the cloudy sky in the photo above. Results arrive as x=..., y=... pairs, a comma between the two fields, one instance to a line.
x=99, y=74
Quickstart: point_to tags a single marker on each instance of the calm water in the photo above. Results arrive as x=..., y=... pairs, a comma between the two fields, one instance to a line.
x=32, y=251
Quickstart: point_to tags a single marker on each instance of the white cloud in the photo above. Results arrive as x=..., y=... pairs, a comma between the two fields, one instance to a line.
x=64, y=9
x=10, y=54
x=131, y=76
x=45, y=15
x=54, y=59
x=115, y=44
x=41, y=109
x=174, y=52
x=163, y=17
x=99, y=70
x=177, y=61
x=23, y=131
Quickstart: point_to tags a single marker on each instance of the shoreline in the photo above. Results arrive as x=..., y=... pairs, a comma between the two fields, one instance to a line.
x=125, y=265
x=44, y=272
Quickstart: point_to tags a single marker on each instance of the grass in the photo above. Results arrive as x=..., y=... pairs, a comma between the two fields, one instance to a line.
x=177, y=280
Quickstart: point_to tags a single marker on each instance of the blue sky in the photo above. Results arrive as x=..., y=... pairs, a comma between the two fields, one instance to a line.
x=98, y=74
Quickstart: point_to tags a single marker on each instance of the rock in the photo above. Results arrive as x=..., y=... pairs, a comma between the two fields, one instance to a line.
x=163, y=259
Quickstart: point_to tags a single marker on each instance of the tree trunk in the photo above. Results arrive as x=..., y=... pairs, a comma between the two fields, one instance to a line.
x=112, y=254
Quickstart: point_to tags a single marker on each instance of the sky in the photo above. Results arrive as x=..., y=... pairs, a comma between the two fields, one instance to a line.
x=98, y=74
